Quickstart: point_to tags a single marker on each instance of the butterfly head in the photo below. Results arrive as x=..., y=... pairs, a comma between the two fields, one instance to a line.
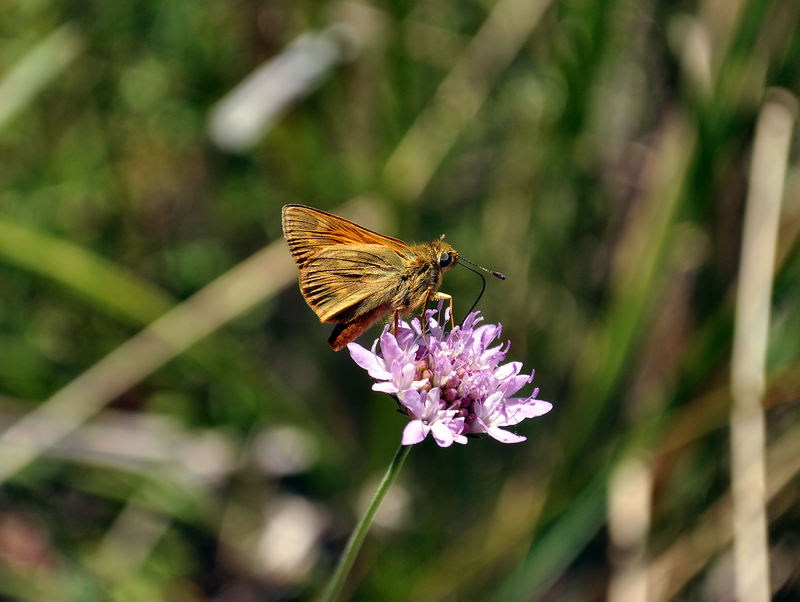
x=443, y=255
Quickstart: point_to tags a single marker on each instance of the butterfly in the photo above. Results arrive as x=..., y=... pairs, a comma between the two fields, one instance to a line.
x=354, y=277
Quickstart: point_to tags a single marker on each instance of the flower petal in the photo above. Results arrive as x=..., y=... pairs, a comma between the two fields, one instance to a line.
x=385, y=387
x=514, y=383
x=390, y=349
x=508, y=370
x=414, y=432
x=504, y=436
x=518, y=409
x=369, y=361
x=412, y=401
x=442, y=434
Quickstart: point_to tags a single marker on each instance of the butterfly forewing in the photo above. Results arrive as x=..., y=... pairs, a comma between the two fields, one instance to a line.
x=308, y=230
x=353, y=276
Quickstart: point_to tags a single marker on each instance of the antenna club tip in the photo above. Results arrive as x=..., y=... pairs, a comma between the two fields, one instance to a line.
x=499, y=275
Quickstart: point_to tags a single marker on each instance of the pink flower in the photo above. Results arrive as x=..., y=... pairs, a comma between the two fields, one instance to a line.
x=430, y=415
x=450, y=383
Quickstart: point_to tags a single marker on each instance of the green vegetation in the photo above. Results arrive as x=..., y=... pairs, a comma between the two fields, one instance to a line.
x=173, y=425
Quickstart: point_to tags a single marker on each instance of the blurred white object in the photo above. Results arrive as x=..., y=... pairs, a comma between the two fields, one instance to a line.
x=630, y=491
x=394, y=512
x=242, y=117
x=774, y=130
x=284, y=450
x=288, y=545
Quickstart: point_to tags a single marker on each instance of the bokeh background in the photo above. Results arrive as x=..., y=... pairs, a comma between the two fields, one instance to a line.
x=173, y=425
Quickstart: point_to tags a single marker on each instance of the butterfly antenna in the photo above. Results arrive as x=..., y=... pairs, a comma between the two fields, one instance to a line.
x=483, y=280
x=492, y=272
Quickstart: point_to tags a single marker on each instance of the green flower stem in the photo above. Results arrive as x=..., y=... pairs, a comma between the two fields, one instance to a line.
x=360, y=532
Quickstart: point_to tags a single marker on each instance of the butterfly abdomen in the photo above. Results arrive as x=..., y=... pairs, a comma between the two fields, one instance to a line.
x=344, y=332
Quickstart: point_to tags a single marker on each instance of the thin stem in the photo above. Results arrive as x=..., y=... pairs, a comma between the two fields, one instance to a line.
x=360, y=532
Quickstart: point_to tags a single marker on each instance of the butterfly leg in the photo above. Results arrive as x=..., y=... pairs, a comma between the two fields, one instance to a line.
x=445, y=297
x=424, y=309
x=396, y=322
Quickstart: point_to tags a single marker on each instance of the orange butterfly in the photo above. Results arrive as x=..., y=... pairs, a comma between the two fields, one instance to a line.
x=353, y=276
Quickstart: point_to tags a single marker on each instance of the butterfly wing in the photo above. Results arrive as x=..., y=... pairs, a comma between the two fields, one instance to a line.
x=308, y=231
x=343, y=282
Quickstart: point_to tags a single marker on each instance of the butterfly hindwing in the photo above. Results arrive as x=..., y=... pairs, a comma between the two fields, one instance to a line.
x=342, y=282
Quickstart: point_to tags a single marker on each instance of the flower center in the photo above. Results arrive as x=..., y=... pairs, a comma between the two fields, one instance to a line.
x=454, y=392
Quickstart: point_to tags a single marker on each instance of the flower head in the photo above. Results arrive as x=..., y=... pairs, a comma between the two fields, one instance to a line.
x=450, y=383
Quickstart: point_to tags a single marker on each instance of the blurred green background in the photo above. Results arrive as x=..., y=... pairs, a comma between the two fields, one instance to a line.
x=597, y=152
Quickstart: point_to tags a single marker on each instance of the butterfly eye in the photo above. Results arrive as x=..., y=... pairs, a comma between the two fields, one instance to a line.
x=445, y=259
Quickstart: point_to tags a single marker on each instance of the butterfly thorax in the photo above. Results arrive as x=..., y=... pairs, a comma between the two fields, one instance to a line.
x=423, y=272
x=353, y=277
